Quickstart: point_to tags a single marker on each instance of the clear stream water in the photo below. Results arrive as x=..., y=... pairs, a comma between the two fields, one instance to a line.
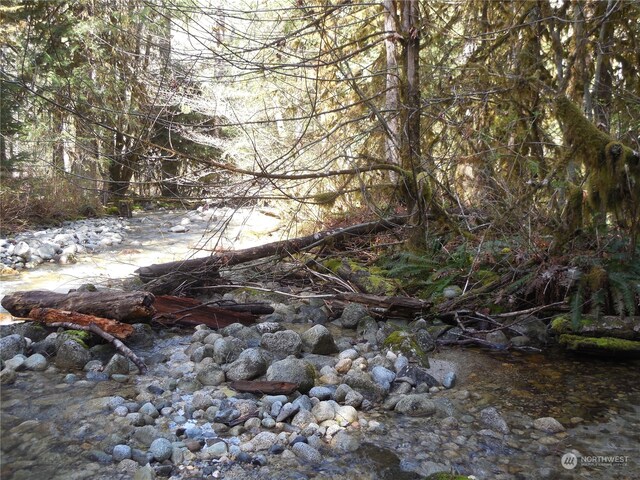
x=53, y=430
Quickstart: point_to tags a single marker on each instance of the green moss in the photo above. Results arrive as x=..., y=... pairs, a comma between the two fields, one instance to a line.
x=593, y=326
x=368, y=279
x=401, y=341
x=111, y=210
x=608, y=346
x=446, y=476
x=80, y=336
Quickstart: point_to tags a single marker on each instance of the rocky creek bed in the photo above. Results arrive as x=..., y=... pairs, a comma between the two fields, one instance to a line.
x=366, y=407
x=361, y=411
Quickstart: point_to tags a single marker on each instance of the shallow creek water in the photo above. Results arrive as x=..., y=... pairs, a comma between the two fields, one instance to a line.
x=54, y=430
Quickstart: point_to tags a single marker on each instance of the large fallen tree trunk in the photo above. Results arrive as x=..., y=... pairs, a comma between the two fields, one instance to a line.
x=189, y=312
x=125, y=307
x=195, y=272
x=50, y=315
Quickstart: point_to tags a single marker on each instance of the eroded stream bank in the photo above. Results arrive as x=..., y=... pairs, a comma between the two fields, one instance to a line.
x=89, y=424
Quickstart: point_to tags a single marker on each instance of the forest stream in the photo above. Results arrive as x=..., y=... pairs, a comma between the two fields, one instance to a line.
x=66, y=427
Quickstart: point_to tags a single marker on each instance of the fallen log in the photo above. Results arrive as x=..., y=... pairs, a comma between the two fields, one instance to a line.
x=121, y=347
x=264, y=387
x=196, y=271
x=50, y=316
x=122, y=306
x=392, y=306
x=190, y=312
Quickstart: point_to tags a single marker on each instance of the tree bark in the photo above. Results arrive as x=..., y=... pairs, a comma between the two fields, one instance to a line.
x=125, y=307
x=51, y=315
x=196, y=271
x=189, y=312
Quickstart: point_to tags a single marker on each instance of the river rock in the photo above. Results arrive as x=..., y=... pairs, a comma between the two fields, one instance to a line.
x=7, y=376
x=16, y=363
x=227, y=349
x=346, y=415
x=367, y=330
x=264, y=441
x=23, y=250
x=282, y=343
x=303, y=418
x=306, y=453
x=548, y=424
x=497, y=338
x=250, y=364
x=324, y=410
x=161, y=449
x=12, y=345
x=491, y=418
x=383, y=377
x=36, y=362
x=117, y=365
x=286, y=411
x=449, y=380
x=416, y=405
x=210, y=375
x=71, y=355
x=47, y=251
x=304, y=402
x=121, y=452
x=201, y=401
x=293, y=370
x=363, y=383
x=321, y=393
x=343, y=441
x=319, y=340
x=416, y=375
x=352, y=314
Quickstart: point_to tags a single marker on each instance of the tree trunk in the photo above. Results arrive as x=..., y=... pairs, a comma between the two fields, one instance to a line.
x=190, y=312
x=197, y=271
x=50, y=315
x=125, y=307
x=392, y=95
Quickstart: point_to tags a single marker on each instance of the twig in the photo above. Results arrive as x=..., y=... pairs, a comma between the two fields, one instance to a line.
x=528, y=311
x=120, y=347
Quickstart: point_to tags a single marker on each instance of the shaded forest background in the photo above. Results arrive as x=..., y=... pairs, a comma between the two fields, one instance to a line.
x=506, y=133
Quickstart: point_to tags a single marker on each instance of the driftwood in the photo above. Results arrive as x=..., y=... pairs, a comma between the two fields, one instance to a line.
x=264, y=387
x=190, y=312
x=197, y=271
x=126, y=307
x=391, y=306
x=121, y=347
x=52, y=316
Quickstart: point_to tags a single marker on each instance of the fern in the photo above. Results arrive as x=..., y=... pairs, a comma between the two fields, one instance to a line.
x=576, y=309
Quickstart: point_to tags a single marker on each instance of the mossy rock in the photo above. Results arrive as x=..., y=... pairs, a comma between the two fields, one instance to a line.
x=112, y=210
x=446, y=476
x=81, y=337
x=592, y=326
x=406, y=343
x=601, y=346
x=369, y=279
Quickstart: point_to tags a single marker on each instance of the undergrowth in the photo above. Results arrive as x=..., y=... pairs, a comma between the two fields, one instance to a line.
x=30, y=202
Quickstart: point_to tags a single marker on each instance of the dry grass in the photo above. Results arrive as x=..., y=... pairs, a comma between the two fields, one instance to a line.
x=29, y=202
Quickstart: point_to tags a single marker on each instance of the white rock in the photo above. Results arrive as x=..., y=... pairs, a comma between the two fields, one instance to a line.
x=22, y=249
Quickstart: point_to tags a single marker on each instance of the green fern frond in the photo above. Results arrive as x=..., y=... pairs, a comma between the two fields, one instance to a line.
x=576, y=309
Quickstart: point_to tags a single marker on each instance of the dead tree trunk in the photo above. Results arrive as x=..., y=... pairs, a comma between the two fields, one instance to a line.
x=50, y=315
x=197, y=271
x=126, y=307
